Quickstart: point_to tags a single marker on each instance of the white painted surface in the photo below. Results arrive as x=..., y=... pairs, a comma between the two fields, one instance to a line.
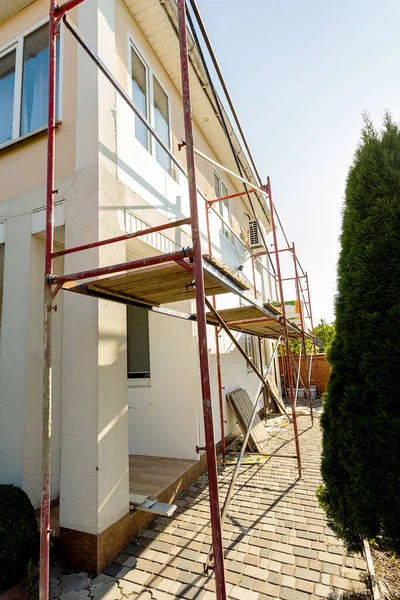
x=39, y=217
x=91, y=395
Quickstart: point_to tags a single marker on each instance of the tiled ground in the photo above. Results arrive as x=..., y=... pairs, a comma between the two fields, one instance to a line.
x=277, y=543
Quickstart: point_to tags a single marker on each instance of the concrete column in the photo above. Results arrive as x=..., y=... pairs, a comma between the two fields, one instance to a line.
x=94, y=457
x=14, y=348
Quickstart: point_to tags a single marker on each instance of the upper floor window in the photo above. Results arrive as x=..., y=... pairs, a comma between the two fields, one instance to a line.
x=221, y=191
x=153, y=103
x=24, y=84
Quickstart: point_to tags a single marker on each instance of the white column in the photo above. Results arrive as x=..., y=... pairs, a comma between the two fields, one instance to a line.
x=94, y=473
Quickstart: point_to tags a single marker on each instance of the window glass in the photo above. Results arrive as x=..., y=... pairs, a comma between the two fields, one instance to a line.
x=35, y=83
x=161, y=124
x=7, y=84
x=249, y=348
x=139, y=94
x=138, y=343
x=217, y=182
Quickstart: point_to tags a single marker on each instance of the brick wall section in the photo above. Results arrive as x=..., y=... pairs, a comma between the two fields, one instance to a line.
x=320, y=367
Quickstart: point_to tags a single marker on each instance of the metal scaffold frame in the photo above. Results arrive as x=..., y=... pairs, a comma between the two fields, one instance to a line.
x=53, y=284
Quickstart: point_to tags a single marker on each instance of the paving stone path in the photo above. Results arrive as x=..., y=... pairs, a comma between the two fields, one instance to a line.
x=276, y=540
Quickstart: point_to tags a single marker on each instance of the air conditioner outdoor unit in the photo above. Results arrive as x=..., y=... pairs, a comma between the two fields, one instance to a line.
x=255, y=236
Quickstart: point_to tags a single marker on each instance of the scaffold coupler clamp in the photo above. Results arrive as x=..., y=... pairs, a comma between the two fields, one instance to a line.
x=209, y=564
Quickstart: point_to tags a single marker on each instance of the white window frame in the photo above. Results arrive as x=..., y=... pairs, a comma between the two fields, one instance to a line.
x=250, y=348
x=224, y=211
x=17, y=45
x=132, y=45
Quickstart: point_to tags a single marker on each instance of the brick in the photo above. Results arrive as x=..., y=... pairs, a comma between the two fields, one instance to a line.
x=353, y=574
x=302, y=562
x=247, y=582
x=287, y=569
x=305, y=586
x=239, y=593
x=325, y=579
x=267, y=588
x=322, y=590
x=331, y=569
x=283, y=558
x=307, y=574
x=290, y=594
x=315, y=565
x=235, y=566
x=330, y=558
x=341, y=583
x=305, y=552
x=288, y=580
x=250, y=559
x=275, y=578
x=255, y=572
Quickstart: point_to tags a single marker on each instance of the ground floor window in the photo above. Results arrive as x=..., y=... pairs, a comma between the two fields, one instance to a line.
x=138, y=343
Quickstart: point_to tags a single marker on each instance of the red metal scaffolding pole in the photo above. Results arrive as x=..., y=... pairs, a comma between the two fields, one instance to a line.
x=217, y=352
x=285, y=326
x=45, y=529
x=215, y=511
x=303, y=337
x=313, y=334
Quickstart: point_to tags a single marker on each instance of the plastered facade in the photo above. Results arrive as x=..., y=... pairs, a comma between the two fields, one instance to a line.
x=102, y=172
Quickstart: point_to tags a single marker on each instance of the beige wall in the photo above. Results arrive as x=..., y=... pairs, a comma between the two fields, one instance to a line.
x=126, y=26
x=23, y=167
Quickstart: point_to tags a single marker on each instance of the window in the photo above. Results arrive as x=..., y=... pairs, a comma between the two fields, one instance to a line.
x=221, y=191
x=139, y=96
x=251, y=351
x=138, y=343
x=24, y=85
x=7, y=85
x=153, y=104
x=161, y=123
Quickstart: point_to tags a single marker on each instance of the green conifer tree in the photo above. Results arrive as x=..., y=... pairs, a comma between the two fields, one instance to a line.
x=361, y=419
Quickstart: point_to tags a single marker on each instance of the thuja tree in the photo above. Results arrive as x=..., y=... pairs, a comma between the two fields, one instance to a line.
x=361, y=418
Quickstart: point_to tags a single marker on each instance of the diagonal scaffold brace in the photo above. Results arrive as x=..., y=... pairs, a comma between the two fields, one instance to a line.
x=238, y=464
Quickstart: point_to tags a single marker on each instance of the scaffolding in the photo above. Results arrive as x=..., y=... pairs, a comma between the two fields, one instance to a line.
x=192, y=275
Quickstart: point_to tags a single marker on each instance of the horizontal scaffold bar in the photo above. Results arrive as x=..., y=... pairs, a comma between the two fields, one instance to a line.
x=120, y=238
x=129, y=266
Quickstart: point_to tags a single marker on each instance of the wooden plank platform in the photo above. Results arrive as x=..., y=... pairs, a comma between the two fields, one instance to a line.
x=253, y=320
x=156, y=285
x=149, y=476
x=243, y=407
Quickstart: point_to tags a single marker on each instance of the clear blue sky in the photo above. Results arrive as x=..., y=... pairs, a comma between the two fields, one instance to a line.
x=301, y=73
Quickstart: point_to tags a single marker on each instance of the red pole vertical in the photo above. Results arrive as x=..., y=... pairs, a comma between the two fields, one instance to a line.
x=217, y=352
x=303, y=339
x=48, y=298
x=312, y=329
x=215, y=510
x=285, y=327
x=265, y=396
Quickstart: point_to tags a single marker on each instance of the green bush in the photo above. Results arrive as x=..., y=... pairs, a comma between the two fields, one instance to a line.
x=361, y=418
x=19, y=537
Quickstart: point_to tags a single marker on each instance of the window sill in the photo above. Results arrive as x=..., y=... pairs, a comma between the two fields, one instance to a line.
x=139, y=382
x=26, y=139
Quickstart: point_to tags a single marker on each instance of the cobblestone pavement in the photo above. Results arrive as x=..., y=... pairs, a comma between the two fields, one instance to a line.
x=277, y=543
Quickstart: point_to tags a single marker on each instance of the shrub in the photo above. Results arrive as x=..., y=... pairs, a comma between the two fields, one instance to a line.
x=19, y=537
x=361, y=418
